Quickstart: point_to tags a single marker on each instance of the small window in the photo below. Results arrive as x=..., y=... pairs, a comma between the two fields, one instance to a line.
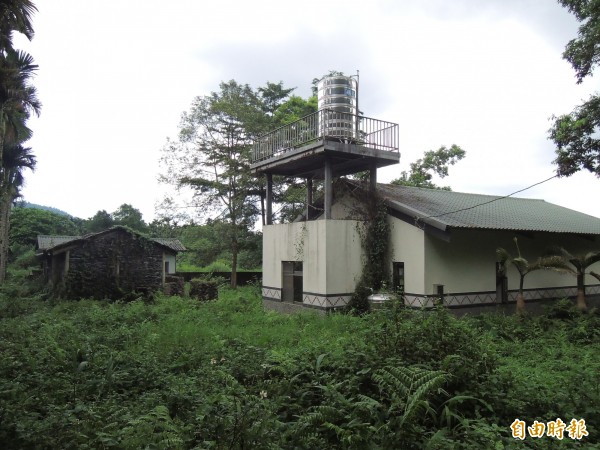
x=167, y=267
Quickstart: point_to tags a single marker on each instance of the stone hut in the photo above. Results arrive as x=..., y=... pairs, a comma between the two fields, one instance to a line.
x=108, y=264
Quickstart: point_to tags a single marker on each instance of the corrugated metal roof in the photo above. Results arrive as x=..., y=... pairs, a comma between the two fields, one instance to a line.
x=172, y=243
x=46, y=242
x=460, y=210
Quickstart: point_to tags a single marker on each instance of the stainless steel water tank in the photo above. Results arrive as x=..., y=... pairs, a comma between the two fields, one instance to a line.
x=338, y=101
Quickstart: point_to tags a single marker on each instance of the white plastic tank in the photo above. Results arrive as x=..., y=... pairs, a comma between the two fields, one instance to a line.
x=338, y=98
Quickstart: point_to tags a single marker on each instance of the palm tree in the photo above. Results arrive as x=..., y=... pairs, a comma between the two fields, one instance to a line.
x=524, y=268
x=18, y=98
x=16, y=158
x=15, y=15
x=581, y=262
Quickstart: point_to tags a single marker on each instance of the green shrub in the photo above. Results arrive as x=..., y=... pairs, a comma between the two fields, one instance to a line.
x=204, y=289
x=435, y=339
x=219, y=265
x=177, y=373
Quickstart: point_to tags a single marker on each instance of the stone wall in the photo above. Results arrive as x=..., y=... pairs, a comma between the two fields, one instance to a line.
x=112, y=265
x=174, y=286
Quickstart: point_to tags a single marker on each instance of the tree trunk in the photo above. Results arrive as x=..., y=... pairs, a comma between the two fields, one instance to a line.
x=520, y=303
x=234, y=253
x=234, y=258
x=581, y=303
x=5, y=204
x=520, y=299
x=3, y=213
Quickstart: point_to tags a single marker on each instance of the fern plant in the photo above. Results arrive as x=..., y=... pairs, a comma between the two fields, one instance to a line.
x=408, y=390
x=155, y=429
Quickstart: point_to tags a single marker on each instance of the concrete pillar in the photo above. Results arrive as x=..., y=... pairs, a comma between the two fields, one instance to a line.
x=309, y=196
x=373, y=176
x=328, y=187
x=269, y=199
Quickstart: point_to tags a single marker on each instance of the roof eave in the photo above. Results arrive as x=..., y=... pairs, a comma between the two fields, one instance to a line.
x=418, y=216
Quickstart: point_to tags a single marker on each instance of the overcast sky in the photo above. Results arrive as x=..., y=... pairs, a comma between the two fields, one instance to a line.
x=116, y=75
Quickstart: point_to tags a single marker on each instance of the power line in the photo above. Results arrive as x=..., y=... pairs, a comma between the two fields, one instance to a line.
x=417, y=219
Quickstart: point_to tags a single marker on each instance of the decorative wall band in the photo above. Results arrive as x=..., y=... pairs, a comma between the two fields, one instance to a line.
x=326, y=301
x=489, y=297
x=271, y=293
x=592, y=289
x=310, y=299
x=451, y=300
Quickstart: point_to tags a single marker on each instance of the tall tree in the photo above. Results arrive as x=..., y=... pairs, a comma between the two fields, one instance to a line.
x=434, y=162
x=15, y=15
x=580, y=262
x=272, y=95
x=15, y=160
x=102, y=220
x=288, y=192
x=212, y=156
x=575, y=134
x=17, y=96
x=129, y=216
x=294, y=109
x=18, y=99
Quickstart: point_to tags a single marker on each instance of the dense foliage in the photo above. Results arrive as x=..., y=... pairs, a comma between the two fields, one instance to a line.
x=18, y=100
x=26, y=224
x=207, y=247
x=208, y=164
x=575, y=134
x=210, y=159
x=178, y=374
x=433, y=162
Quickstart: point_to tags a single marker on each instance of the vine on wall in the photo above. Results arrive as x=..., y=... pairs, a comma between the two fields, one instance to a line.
x=299, y=244
x=375, y=240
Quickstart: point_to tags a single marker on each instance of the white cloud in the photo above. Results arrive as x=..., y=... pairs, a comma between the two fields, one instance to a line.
x=115, y=77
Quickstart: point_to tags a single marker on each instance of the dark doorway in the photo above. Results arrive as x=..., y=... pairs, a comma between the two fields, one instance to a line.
x=398, y=276
x=291, y=286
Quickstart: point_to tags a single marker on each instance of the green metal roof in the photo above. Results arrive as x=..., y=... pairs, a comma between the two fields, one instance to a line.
x=448, y=209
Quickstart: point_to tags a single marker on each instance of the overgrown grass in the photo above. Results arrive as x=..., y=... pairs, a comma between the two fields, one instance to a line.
x=176, y=373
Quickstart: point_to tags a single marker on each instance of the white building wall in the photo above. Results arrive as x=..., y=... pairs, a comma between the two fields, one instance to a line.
x=408, y=246
x=465, y=264
x=344, y=256
x=331, y=254
x=171, y=259
x=468, y=262
x=311, y=242
x=280, y=243
x=332, y=260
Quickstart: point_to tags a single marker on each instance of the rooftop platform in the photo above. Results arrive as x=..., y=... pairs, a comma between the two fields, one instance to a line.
x=347, y=142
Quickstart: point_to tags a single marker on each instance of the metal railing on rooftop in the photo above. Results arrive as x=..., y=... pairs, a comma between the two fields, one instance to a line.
x=327, y=124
